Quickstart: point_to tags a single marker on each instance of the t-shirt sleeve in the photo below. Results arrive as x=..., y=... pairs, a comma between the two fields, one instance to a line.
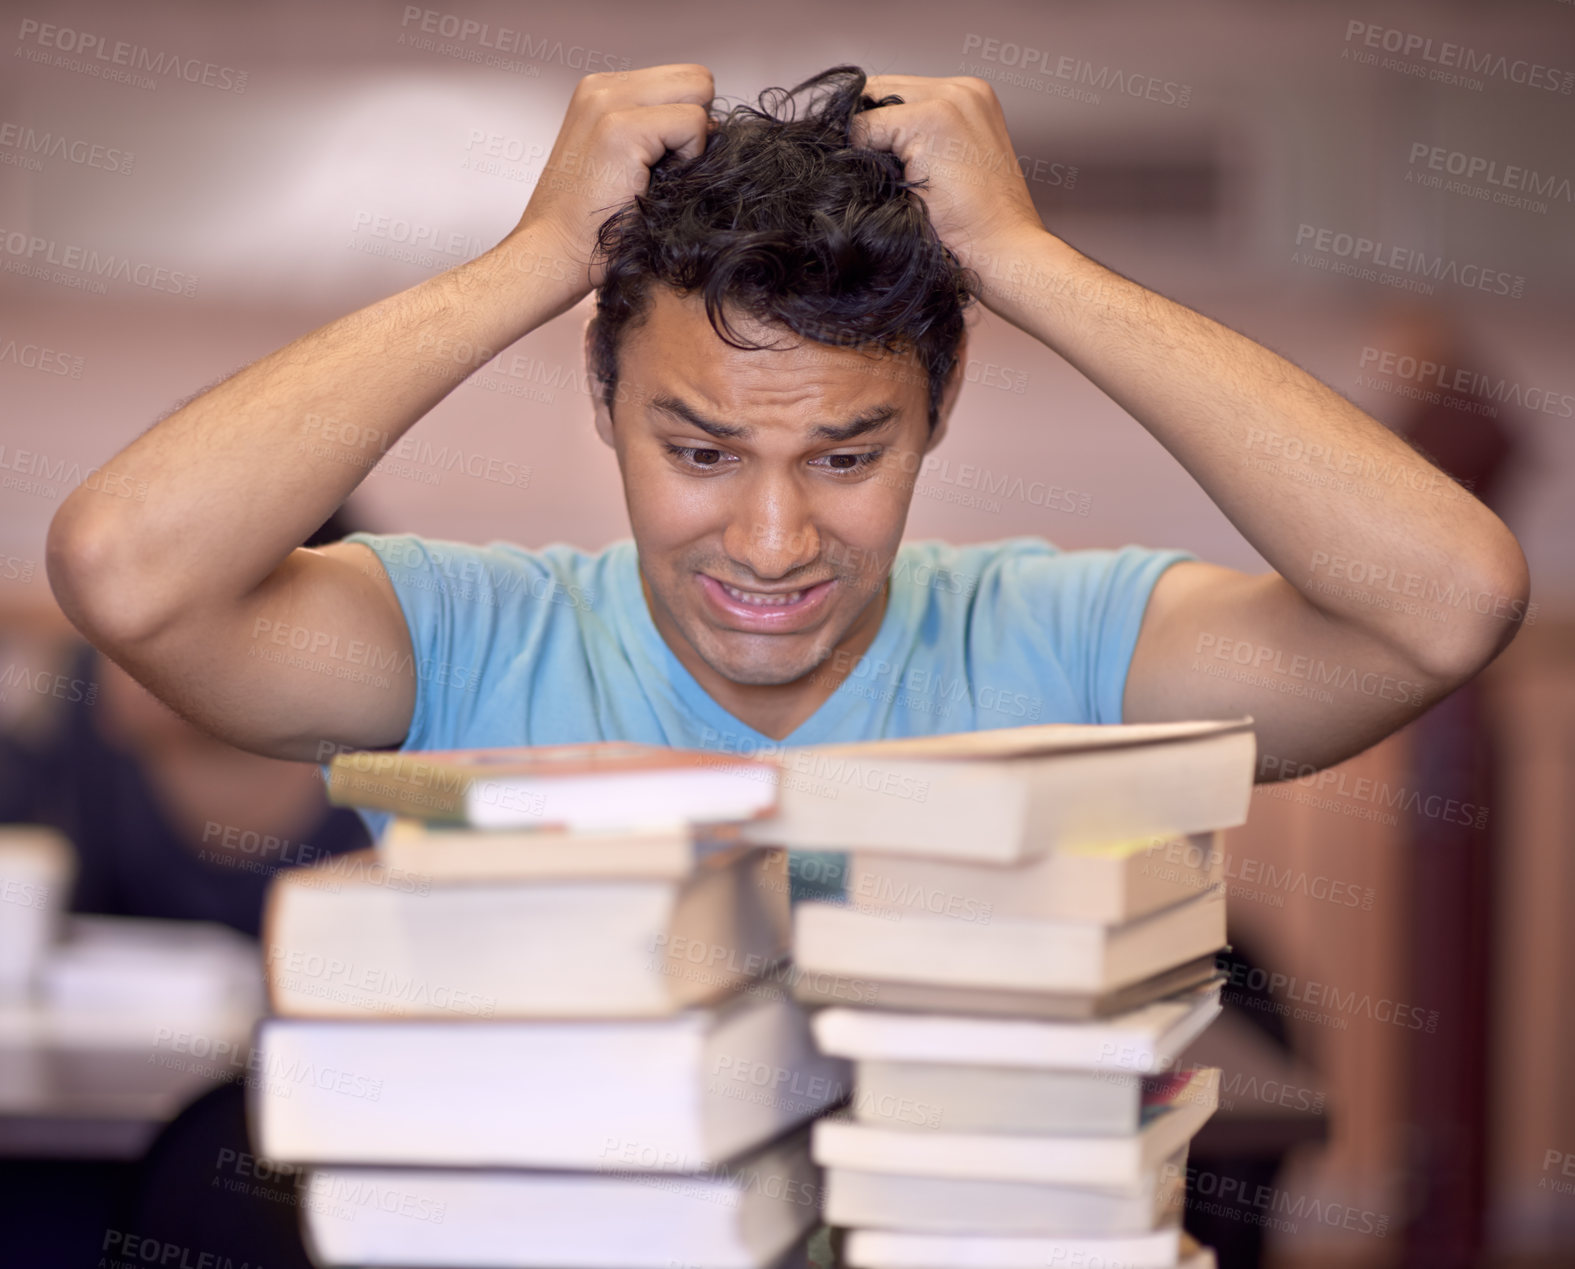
x=1080, y=612
x=458, y=600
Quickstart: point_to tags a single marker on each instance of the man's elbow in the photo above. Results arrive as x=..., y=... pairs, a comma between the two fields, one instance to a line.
x=1482, y=616
x=94, y=583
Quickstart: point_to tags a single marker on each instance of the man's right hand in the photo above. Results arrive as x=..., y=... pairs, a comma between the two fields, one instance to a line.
x=197, y=586
x=617, y=127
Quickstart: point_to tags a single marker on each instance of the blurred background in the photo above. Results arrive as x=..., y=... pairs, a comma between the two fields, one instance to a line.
x=186, y=187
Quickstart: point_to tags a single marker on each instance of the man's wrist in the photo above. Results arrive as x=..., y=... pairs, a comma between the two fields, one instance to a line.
x=1051, y=290
x=537, y=271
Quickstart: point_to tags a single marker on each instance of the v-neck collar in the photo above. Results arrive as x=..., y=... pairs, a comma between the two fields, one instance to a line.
x=831, y=719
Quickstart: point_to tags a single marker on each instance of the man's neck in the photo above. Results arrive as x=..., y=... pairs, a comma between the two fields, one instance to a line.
x=775, y=710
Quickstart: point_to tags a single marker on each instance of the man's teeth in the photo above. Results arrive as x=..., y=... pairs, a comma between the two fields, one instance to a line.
x=762, y=601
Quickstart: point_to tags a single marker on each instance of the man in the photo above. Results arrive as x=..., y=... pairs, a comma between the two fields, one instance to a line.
x=779, y=340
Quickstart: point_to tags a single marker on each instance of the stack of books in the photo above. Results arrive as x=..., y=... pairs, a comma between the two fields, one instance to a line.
x=1029, y=925
x=538, y=1025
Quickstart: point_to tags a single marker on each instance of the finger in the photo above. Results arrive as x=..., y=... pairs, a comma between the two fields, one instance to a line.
x=686, y=82
x=678, y=126
x=893, y=128
x=911, y=88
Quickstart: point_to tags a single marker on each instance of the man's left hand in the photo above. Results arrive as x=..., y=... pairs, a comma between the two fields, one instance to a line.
x=952, y=134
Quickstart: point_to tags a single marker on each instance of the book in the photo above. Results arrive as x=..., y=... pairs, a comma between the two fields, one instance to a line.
x=1110, y=882
x=449, y=853
x=962, y=1205
x=1012, y=954
x=151, y=969
x=1012, y=794
x=893, y=1249
x=742, y=1216
x=595, y=787
x=1147, y=1039
x=343, y=941
x=37, y=868
x=889, y=994
x=679, y=1094
x=1095, y=1162
x=1011, y=1100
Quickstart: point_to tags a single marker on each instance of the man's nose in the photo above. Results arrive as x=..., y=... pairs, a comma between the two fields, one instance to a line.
x=773, y=532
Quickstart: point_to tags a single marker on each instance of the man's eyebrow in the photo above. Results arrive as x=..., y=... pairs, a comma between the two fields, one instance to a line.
x=687, y=414
x=873, y=419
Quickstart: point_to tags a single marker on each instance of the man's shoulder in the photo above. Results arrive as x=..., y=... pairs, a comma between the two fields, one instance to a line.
x=942, y=569
x=497, y=569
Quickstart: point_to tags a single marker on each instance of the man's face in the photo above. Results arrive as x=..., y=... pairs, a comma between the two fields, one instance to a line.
x=767, y=489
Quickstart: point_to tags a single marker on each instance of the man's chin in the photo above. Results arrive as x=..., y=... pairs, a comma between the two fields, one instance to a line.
x=761, y=667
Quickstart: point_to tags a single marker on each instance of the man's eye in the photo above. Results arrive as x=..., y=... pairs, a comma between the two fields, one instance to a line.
x=694, y=456
x=851, y=462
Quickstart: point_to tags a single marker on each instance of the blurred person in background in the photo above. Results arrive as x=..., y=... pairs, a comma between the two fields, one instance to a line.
x=167, y=821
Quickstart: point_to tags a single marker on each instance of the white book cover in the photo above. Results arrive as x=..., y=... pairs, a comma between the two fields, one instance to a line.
x=742, y=1216
x=1097, y=1162
x=1146, y=1040
x=1023, y=955
x=682, y=1094
x=888, y=1249
x=952, y=1205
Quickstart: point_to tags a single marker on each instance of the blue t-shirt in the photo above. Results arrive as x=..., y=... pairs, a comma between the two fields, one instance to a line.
x=556, y=646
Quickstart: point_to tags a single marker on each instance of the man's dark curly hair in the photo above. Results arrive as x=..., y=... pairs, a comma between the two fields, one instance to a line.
x=781, y=219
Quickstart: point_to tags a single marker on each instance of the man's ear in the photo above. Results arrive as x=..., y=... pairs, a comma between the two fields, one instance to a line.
x=954, y=383
x=603, y=412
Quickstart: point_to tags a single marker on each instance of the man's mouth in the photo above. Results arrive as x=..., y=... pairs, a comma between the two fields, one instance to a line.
x=780, y=611
x=763, y=599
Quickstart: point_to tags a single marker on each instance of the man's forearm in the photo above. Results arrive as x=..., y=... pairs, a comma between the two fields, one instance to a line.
x=1323, y=492
x=236, y=479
